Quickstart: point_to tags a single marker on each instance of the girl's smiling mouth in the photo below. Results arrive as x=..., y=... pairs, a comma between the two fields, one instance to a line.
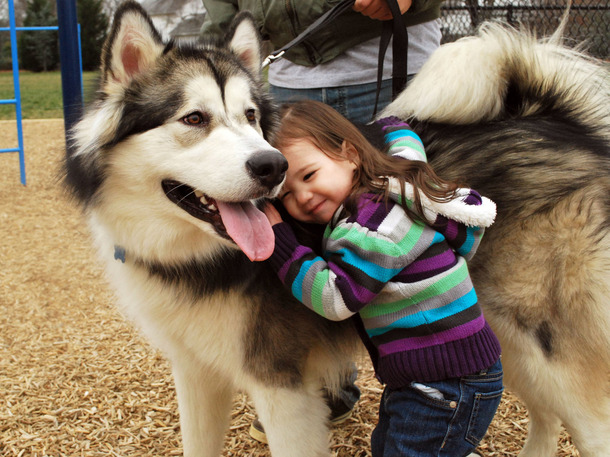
x=317, y=207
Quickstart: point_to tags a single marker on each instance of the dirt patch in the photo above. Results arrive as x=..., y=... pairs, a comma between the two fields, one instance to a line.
x=75, y=377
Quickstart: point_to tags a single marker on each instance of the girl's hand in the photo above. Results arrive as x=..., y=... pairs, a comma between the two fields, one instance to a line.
x=379, y=9
x=272, y=214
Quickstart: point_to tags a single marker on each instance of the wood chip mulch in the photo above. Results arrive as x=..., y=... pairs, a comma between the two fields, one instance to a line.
x=75, y=378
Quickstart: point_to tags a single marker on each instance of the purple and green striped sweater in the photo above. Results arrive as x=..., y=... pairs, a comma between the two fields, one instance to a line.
x=406, y=283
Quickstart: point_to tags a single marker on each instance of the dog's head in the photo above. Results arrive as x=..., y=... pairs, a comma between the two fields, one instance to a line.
x=177, y=134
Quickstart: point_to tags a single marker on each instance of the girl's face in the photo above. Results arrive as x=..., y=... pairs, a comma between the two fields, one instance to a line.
x=316, y=184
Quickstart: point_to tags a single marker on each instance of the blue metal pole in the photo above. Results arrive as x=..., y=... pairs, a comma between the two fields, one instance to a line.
x=17, y=89
x=80, y=65
x=26, y=29
x=70, y=62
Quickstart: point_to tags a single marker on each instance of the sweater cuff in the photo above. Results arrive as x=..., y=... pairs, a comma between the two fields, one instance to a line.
x=285, y=244
x=390, y=121
x=473, y=198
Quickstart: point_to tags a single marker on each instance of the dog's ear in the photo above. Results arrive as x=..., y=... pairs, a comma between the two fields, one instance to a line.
x=244, y=40
x=132, y=46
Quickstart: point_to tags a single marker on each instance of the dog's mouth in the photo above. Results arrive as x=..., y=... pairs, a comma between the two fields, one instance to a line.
x=240, y=222
x=196, y=203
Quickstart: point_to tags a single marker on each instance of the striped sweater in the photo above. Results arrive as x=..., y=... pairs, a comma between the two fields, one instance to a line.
x=406, y=283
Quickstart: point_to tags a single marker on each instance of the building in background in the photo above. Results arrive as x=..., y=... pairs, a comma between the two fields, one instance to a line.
x=178, y=19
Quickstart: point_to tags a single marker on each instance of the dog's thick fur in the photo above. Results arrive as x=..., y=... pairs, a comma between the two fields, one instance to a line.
x=527, y=124
x=524, y=123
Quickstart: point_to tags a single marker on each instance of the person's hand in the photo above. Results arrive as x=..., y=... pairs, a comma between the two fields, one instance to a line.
x=379, y=9
x=272, y=214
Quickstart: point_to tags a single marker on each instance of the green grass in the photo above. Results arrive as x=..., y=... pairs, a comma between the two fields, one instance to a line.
x=41, y=96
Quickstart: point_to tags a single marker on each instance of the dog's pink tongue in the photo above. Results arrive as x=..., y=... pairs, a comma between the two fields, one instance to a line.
x=249, y=228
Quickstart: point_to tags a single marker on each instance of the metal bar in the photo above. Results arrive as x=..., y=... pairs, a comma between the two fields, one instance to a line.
x=80, y=66
x=16, y=90
x=70, y=63
x=27, y=29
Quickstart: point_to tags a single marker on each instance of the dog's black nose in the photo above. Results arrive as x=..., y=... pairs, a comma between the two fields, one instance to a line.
x=268, y=167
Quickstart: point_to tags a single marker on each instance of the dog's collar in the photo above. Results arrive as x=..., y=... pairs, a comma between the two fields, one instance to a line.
x=119, y=253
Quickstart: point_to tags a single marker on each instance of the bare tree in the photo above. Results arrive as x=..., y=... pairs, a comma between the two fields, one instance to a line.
x=110, y=6
x=3, y=11
x=19, y=11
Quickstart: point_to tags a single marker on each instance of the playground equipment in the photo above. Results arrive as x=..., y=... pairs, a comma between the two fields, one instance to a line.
x=71, y=71
x=16, y=100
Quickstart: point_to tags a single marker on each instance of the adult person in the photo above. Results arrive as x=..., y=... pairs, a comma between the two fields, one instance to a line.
x=338, y=64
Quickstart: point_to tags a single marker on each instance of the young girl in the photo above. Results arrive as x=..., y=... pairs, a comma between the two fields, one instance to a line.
x=395, y=245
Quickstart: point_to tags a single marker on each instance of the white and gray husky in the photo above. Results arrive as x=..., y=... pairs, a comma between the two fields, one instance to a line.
x=172, y=158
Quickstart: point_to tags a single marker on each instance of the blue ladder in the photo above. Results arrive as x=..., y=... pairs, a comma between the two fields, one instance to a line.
x=71, y=70
x=17, y=93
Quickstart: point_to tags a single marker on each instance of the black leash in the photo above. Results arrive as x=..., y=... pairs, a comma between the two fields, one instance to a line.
x=321, y=22
x=400, y=46
x=395, y=27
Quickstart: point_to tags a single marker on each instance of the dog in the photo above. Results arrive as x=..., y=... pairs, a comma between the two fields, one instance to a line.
x=527, y=123
x=167, y=164
x=172, y=158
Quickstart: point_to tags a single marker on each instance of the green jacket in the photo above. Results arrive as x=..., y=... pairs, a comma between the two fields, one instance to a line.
x=280, y=21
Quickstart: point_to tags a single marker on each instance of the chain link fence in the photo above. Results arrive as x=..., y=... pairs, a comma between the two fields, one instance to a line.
x=588, y=23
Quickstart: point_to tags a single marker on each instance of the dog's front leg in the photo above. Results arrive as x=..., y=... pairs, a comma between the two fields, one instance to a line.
x=204, y=401
x=295, y=420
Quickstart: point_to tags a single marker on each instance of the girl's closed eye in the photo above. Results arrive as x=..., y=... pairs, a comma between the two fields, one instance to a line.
x=308, y=175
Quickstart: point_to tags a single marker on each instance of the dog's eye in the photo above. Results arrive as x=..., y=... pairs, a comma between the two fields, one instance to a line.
x=251, y=115
x=196, y=118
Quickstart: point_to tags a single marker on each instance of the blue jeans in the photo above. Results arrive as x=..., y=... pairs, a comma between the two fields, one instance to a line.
x=448, y=420
x=356, y=103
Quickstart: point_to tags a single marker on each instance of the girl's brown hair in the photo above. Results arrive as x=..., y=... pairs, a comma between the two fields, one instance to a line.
x=327, y=130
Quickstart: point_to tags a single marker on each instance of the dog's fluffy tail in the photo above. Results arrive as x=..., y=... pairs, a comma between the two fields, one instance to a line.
x=503, y=72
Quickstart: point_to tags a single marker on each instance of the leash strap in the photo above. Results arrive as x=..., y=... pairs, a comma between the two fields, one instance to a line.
x=322, y=21
x=400, y=48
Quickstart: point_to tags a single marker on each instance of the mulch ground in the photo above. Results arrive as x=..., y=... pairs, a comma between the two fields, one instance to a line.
x=75, y=378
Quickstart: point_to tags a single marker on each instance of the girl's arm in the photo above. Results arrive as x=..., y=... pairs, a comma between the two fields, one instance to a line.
x=356, y=266
x=401, y=140
x=463, y=239
x=334, y=289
